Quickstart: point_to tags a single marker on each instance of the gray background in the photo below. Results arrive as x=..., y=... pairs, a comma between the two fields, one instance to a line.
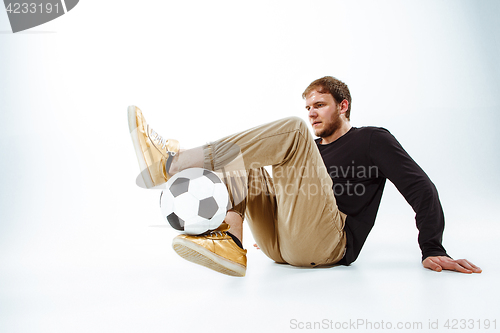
x=82, y=248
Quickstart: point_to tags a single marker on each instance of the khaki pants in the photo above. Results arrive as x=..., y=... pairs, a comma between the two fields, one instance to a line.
x=293, y=215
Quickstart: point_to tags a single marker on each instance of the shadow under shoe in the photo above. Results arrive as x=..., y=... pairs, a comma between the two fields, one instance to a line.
x=214, y=249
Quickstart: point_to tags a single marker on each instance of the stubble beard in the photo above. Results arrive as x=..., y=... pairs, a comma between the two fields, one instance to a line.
x=331, y=127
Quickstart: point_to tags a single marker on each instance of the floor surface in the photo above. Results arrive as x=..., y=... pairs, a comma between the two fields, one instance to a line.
x=118, y=273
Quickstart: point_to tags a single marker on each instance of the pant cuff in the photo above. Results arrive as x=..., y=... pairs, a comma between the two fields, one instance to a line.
x=208, y=161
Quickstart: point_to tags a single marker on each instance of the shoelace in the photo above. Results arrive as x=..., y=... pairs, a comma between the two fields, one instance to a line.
x=159, y=139
x=215, y=233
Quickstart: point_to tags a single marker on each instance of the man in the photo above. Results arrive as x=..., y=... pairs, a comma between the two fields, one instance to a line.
x=320, y=204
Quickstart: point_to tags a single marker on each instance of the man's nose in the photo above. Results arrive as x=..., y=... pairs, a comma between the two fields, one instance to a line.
x=312, y=113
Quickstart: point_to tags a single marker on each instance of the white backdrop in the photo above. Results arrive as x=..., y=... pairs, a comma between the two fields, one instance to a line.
x=70, y=211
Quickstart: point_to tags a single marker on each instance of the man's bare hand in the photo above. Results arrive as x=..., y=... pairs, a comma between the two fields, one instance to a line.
x=439, y=263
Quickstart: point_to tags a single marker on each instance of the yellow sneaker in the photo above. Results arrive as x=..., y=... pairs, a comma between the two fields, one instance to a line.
x=154, y=153
x=214, y=249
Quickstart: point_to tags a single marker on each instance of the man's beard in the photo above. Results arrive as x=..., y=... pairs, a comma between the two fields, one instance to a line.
x=331, y=127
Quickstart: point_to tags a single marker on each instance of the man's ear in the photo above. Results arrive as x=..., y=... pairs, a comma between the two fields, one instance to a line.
x=344, y=106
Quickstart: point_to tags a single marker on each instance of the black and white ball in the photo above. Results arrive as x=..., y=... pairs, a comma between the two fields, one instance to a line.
x=195, y=201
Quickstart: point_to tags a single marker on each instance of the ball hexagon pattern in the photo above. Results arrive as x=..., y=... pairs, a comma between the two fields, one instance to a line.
x=179, y=186
x=195, y=200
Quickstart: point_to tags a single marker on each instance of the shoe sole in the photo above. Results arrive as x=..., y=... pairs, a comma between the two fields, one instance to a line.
x=132, y=125
x=201, y=256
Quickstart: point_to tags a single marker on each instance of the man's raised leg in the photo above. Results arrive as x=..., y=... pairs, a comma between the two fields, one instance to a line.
x=161, y=158
x=309, y=227
x=306, y=227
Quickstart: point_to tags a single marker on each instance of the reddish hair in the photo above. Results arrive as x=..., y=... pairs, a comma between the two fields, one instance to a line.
x=332, y=86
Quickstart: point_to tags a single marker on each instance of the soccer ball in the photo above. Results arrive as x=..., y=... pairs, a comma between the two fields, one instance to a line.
x=195, y=201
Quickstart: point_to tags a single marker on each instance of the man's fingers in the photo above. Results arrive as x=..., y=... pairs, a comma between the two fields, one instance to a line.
x=455, y=266
x=438, y=263
x=470, y=266
x=460, y=265
x=430, y=264
x=450, y=264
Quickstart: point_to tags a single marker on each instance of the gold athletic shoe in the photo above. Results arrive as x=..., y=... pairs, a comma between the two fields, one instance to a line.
x=154, y=153
x=214, y=249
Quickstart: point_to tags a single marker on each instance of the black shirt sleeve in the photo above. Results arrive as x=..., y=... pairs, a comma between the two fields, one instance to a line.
x=394, y=163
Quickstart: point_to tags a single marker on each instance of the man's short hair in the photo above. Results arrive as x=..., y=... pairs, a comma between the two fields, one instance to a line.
x=332, y=86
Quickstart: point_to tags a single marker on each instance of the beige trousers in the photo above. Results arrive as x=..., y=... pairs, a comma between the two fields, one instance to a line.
x=293, y=215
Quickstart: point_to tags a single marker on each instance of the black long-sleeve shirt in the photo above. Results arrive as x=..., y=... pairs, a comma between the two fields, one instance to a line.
x=359, y=162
